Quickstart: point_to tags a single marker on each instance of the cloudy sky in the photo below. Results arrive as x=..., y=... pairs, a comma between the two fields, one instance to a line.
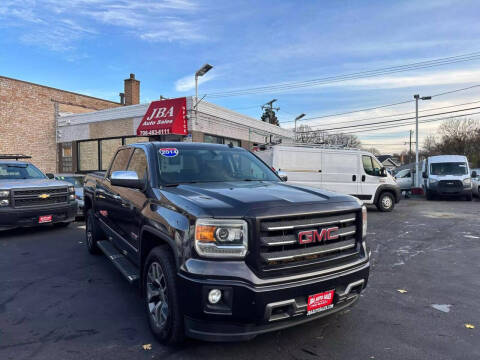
x=90, y=46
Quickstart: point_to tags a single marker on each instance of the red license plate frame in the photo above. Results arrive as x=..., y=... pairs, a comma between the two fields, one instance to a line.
x=320, y=302
x=45, y=219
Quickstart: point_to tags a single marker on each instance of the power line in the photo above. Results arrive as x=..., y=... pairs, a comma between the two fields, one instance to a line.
x=391, y=126
x=391, y=121
x=351, y=76
x=393, y=115
x=383, y=106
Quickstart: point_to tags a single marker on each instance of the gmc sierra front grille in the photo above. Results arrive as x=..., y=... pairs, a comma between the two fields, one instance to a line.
x=39, y=197
x=296, y=242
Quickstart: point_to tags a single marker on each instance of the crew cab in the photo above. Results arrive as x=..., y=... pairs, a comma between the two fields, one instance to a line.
x=220, y=247
x=29, y=198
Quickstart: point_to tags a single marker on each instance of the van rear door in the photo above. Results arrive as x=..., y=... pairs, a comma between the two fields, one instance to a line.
x=340, y=172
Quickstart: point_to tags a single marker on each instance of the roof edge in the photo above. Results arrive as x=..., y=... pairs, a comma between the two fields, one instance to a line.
x=53, y=88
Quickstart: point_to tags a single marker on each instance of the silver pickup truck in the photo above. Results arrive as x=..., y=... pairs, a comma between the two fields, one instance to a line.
x=29, y=198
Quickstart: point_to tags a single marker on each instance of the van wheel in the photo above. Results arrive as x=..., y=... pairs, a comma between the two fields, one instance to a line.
x=429, y=195
x=161, y=297
x=469, y=197
x=93, y=233
x=386, y=202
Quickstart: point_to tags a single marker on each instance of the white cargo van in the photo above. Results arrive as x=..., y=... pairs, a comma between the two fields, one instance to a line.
x=447, y=175
x=352, y=172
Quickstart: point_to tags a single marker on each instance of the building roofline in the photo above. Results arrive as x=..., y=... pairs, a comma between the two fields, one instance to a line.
x=57, y=89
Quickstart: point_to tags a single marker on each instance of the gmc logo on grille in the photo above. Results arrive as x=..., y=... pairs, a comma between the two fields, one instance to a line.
x=311, y=236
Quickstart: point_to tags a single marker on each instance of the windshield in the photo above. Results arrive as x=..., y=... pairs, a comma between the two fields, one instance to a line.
x=20, y=171
x=77, y=181
x=205, y=165
x=449, y=168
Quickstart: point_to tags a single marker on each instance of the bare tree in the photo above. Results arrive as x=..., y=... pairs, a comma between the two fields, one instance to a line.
x=458, y=136
x=306, y=135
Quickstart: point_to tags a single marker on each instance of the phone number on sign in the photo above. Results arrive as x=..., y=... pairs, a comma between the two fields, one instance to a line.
x=154, y=132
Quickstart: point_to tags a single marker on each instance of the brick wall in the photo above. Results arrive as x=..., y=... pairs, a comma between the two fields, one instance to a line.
x=27, y=118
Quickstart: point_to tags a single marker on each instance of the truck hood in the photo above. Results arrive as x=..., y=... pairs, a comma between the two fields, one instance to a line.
x=30, y=183
x=240, y=199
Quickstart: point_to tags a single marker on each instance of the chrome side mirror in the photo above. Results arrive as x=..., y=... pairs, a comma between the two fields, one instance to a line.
x=127, y=179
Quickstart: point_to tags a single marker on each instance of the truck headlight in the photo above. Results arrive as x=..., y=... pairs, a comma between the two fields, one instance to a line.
x=467, y=182
x=364, y=221
x=4, y=193
x=221, y=238
x=4, y=202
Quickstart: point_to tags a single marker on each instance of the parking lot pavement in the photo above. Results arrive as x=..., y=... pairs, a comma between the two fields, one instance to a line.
x=59, y=302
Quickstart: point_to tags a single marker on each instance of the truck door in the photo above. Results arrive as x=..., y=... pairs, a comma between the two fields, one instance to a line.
x=370, y=178
x=340, y=172
x=112, y=212
x=134, y=200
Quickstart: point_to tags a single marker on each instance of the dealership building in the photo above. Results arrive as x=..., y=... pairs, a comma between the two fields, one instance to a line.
x=85, y=131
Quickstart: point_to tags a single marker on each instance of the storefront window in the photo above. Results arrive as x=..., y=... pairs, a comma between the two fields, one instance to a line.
x=88, y=155
x=212, y=139
x=108, y=148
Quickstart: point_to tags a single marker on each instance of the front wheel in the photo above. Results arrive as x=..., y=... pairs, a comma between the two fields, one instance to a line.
x=429, y=195
x=469, y=197
x=92, y=232
x=161, y=297
x=386, y=202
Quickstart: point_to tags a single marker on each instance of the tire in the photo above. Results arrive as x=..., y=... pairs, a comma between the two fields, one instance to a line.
x=386, y=202
x=162, y=303
x=429, y=195
x=469, y=197
x=93, y=233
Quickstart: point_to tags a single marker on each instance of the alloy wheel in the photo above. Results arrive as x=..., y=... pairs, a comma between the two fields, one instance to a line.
x=157, y=298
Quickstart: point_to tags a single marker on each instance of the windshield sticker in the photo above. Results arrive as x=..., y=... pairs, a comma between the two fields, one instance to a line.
x=169, y=152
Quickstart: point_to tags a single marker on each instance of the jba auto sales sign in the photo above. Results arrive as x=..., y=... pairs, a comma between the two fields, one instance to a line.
x=165, y=117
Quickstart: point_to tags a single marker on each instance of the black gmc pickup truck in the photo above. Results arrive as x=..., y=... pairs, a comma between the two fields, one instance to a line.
x=221, y=248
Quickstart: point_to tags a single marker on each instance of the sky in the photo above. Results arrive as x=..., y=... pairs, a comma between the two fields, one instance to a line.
x=90, y=46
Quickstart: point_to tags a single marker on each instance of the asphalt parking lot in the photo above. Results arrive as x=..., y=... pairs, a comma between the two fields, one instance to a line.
x=59, y=302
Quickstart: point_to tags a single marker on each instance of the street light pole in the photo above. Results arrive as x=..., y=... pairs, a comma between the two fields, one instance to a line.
x=417, y=97
x=296, y=119
x=200, y=72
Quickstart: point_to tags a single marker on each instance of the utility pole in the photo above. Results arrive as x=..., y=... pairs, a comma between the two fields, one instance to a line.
x=269, y=112
x=416, y=97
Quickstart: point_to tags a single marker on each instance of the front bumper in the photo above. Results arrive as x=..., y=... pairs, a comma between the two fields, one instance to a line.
x=14, y=217
x=249, y=310
x=445, y=191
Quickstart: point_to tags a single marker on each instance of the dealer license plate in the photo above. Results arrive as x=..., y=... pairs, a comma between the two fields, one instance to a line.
x=320, y=302
x=44, y=219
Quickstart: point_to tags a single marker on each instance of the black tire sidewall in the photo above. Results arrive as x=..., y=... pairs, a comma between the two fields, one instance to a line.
x=172, y=332
x=90, y=221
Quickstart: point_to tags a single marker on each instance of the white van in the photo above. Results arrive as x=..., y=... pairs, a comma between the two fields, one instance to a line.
x=447, y=175
x=352, y=172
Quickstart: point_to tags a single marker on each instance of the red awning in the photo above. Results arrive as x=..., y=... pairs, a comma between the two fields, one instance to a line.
x=165, y=117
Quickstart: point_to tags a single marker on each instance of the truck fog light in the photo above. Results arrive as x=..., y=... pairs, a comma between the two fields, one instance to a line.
x=214, y=296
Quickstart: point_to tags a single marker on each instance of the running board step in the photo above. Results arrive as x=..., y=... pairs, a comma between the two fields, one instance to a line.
x=120, y=261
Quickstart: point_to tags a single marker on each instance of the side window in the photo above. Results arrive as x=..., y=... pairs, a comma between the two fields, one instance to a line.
x=367, y=165
x=120, y=161
x=376, y=167
x=138, y=163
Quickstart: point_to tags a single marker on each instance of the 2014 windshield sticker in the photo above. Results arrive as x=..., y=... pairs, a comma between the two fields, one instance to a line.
x=169, y=152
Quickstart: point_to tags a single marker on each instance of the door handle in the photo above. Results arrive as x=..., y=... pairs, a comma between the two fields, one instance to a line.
x=354, y=177
x=363, y=177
